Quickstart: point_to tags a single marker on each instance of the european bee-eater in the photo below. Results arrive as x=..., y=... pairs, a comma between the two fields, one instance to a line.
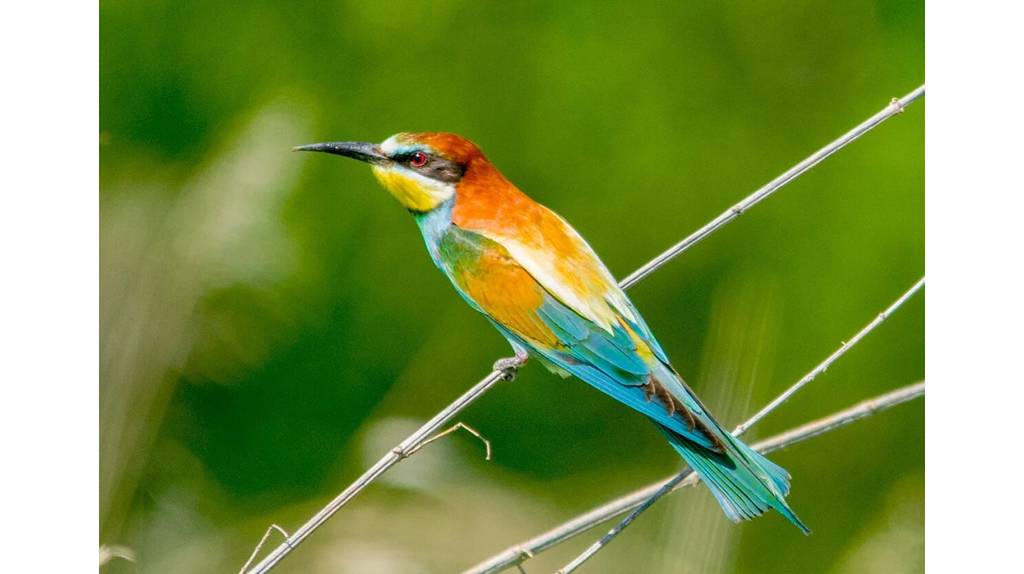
x=542, y=286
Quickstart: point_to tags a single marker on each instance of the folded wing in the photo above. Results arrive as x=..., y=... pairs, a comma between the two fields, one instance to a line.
x=623, y=361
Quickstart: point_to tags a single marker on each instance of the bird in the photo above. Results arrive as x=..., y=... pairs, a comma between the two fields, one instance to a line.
x=547, y=292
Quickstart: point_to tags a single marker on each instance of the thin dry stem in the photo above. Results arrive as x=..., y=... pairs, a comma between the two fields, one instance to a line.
x=450, y=430
x=260, y=544
x=523, y=551
x=824, y=365
x=774, y=404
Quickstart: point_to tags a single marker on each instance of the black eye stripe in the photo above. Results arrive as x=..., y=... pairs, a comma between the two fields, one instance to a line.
x=435, y=167
x=403, y=157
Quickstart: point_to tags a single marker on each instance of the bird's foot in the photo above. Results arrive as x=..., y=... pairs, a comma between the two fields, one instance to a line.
x=509, y=366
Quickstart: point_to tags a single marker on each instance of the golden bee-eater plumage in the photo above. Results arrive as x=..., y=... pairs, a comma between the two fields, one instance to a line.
x=539, y=283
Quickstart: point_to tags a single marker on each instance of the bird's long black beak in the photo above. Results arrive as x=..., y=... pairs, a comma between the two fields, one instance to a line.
x=362, y=151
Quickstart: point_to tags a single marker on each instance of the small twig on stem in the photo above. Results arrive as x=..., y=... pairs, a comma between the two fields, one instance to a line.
x=260, y=544
x=446, y=414
x=521, y=552
x=450, y=430
x=380, y=467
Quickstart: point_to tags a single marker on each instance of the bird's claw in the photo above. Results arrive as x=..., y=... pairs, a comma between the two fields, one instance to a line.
x=509, y=366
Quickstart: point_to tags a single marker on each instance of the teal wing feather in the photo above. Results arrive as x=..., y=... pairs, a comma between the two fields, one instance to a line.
x=610, y=363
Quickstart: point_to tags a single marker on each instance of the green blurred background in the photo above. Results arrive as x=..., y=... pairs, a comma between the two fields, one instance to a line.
x=271, y=324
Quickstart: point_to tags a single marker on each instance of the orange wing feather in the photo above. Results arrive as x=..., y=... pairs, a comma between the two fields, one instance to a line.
x=507, y=293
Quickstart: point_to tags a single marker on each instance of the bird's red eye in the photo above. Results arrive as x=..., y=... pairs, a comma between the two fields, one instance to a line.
x=418, y=159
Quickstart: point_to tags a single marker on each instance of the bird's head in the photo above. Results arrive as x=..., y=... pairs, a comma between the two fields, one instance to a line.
x=422, y=170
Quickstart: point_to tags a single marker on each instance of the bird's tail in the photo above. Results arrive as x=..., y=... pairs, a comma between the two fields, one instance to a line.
x=745, y=483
